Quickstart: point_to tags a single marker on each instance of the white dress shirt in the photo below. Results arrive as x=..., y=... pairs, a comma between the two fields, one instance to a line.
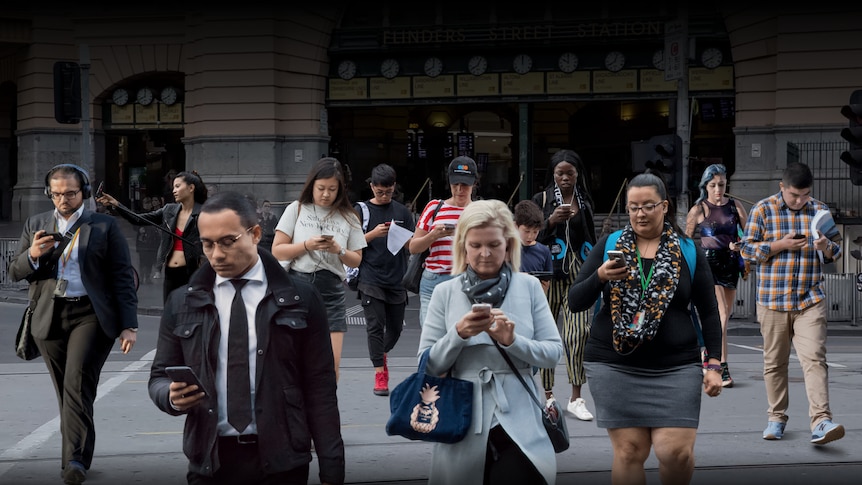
x=252, y=294
x=68, y=267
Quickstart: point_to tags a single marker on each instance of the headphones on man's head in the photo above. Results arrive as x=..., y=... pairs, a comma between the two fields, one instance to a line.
x=83, y=178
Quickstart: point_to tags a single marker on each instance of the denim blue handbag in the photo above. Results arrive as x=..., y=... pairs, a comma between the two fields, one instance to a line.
x=430, y=408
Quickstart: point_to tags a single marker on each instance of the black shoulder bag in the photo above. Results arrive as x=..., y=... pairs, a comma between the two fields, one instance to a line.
x=416, y=263
x=552, y=415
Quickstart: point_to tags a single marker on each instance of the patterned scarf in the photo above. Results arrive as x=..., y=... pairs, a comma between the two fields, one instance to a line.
x=636, y=313
x=491, y=291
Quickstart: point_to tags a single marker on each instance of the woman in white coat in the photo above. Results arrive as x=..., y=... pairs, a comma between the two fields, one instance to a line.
x=507, y=442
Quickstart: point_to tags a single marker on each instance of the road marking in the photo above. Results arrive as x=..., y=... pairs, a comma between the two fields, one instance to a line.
x=792, y=356
x=37, y=438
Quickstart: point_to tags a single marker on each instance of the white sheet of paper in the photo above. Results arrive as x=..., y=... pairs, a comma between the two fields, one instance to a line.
x=397, y=237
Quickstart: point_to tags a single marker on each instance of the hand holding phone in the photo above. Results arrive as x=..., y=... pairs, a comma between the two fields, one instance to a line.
x=328, y=237
x=799, y=236
x=100, y=189
x=56, y=235
x=184, y=373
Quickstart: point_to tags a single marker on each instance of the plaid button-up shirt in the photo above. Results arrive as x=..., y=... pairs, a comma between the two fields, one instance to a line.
x=789, y=280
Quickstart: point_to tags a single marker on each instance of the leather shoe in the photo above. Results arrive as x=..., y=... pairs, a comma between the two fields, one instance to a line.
x=74, y=473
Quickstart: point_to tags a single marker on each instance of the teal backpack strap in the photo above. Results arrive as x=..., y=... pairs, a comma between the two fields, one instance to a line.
x=610, y=243
x=690, y=254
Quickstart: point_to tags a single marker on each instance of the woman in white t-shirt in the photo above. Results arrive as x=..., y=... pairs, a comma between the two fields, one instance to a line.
x=435, y=229
x=317, y=236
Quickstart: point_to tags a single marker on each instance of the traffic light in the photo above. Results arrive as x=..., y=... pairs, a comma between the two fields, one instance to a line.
x=853, y=134
x=662, y=153
x=67, y=92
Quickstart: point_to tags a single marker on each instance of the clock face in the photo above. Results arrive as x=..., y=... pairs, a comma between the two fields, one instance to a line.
x=433, y=67
x=168, y=96
x=120, y=97
x=477, y=65
x=658, y=59
x=522, y=63
x=711, y=58
x=568, y=62
x=145, y=96
x=615, y=61
x=389, y=68
x=347, y=70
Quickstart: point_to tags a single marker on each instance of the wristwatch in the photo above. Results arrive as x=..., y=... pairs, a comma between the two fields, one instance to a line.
x=342, y=252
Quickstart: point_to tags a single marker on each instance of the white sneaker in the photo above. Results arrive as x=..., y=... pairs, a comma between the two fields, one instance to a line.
x=578, y=408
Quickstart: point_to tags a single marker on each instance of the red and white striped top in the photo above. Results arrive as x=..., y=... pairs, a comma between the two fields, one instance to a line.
x=439, y=260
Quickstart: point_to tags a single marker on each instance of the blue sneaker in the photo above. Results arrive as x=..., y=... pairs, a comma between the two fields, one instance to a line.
x=774, y=430
x=826, y=431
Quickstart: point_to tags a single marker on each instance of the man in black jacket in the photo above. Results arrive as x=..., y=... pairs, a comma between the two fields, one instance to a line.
x=84, y=295
x=289, y=389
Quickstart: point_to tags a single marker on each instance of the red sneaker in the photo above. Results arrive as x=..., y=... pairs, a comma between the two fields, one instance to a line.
x=381, y=383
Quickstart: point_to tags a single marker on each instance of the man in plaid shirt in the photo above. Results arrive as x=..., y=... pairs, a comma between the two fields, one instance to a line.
x=790, y=299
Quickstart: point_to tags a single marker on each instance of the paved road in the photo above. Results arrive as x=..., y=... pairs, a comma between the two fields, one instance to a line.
x=138, y=444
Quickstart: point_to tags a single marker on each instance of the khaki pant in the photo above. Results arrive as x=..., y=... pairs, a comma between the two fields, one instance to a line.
x=806, y=330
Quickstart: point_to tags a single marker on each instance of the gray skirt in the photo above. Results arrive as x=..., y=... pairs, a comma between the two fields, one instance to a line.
x=631, y=397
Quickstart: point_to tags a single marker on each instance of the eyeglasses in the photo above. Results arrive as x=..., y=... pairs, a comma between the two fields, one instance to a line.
x=67, y=195
x=383, y=193
x=647, y=208
x=225, y=243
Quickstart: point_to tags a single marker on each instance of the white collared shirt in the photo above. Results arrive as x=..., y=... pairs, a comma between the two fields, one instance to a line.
x=69, y=267
x=252, y=294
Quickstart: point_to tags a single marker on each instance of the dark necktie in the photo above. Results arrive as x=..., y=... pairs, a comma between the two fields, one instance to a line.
x=238, y=385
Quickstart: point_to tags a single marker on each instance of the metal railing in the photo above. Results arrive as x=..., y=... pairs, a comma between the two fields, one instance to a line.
x=831, y=176
x=843, y=302
x=8, y=248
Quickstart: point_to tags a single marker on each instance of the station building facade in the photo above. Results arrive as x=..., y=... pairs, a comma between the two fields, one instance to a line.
x=251, y=96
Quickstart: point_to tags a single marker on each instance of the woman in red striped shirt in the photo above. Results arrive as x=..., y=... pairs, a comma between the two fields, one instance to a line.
x=436, y=226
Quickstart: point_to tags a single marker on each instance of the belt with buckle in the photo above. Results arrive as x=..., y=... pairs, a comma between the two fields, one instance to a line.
x=243, y=439
x=73, y=299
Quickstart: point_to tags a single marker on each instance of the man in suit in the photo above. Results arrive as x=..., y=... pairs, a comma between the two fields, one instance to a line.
x=258, y=340
x=84, y=296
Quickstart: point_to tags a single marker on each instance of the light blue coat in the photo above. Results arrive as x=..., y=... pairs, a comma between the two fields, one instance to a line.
x=498, y=396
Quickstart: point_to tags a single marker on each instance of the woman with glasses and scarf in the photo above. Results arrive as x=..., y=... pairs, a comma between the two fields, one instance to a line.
x=569, y=232
x=507, y=442
x=721, y=220
x=643, y=358
x=318, y=235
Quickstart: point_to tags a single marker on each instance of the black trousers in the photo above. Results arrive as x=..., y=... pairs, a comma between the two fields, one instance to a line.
x=240, y=465
x=174, y=278
x=506, y=463
x=383, y=323
x=75, y=351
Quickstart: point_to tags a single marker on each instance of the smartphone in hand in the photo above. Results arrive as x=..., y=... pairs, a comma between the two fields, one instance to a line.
x=618, y=258
x=799, y=236
x=184, y=373
x=100, y=189
x=328, y=237
x=482, y=308
x=56, y=235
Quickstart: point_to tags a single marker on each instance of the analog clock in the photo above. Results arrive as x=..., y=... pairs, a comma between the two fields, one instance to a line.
x=477, y=65
x=658, y=59
x=145, y=96
x=522, y=63
x=389, y=68
x=168, y=96
x=711, y=58
x=433, y=67
x=568, y=62
x=347, y=70
x=615, y=61
x=120, y=97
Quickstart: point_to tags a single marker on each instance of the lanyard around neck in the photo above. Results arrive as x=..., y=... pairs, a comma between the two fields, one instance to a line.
x=644, y=280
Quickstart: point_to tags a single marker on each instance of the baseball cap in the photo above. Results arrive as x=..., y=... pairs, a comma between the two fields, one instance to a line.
x=462, y=170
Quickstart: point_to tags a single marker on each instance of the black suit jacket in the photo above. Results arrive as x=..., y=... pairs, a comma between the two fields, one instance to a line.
x=106, y=272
